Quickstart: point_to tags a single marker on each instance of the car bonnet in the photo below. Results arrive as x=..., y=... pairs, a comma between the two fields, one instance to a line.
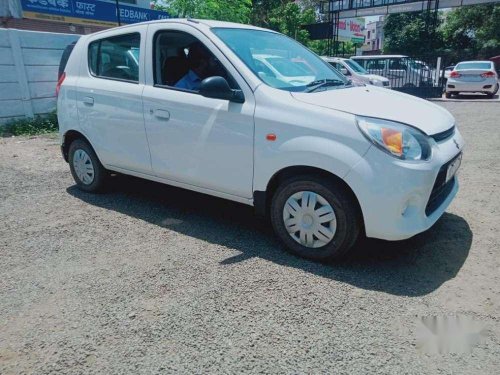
x=385, y=104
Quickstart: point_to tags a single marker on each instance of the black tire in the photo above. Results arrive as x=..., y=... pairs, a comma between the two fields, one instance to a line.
x=492, y=94
x=100, y=175
x=447, y=95
x=348, y=218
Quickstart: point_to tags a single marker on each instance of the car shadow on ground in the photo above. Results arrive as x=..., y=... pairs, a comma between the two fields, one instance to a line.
x=413, y=267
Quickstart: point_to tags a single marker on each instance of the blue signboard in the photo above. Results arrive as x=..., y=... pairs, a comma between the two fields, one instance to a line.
x=88, y=12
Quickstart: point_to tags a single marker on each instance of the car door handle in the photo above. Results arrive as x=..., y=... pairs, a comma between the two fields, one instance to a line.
x=88, y=100
x=161, y=114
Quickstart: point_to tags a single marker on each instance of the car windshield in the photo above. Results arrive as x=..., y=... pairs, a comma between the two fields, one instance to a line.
x=473, y=65
x=355, y=66
x=279, y=61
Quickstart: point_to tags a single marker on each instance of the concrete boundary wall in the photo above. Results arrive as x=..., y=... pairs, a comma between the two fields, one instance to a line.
x=29, y=61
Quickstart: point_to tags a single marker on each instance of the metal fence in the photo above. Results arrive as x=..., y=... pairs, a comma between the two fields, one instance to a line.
x=424, y=76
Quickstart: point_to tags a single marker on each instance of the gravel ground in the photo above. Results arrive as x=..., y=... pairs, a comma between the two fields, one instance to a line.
x=151, y=279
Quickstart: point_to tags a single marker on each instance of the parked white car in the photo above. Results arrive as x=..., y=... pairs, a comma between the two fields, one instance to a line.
x=326, y=160
x=356, y=72
x=473, y=76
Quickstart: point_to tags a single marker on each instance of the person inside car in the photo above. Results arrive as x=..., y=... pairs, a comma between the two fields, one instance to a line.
x=201, y=64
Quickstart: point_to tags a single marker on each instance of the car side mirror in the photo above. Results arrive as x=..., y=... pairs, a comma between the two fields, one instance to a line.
x=345, y=72
x=217, y=87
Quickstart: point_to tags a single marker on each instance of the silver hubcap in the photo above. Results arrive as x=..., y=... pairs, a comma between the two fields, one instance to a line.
x=83, y=167
x=309, y=219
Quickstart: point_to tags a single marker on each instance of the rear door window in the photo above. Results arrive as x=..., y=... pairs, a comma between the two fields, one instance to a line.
x=116, y=57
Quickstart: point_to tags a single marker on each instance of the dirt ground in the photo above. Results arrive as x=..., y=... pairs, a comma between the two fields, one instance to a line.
x=150, y=279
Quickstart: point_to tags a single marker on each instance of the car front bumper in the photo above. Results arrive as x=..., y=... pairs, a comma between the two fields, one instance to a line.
x=394, y=194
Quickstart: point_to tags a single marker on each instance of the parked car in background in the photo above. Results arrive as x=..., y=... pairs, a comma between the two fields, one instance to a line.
x=326, y=160
x=473, y=76
x=356, y=72
x=447, y=71
x=272, y=67
x=402, y=71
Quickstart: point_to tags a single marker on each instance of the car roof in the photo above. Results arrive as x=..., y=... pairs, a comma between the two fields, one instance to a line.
x=377, y=56
x=475, y=61
x=330, y=58
x=198, y=23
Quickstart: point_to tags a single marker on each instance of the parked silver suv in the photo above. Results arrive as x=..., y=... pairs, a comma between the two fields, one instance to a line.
x=402, y=71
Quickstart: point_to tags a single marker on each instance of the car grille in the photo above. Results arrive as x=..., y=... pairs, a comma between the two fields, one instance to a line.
x=444, y=135
x=441, y=189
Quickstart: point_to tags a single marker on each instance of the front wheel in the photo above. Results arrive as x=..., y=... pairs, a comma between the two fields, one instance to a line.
x=87, y=170
x=315, y=218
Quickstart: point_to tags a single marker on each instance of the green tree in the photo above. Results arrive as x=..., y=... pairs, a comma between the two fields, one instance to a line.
x=262, y=10
x=222, y=10
x=412, y=34
x=473, y=30
x=289, y=18
x=285, y=16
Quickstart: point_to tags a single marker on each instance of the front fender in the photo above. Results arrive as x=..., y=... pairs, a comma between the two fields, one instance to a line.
x=333, y=156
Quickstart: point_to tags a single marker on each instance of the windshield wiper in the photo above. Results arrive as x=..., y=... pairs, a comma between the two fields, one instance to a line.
x=314, y=85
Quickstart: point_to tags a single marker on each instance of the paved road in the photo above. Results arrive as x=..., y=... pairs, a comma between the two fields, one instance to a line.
x=149, y=279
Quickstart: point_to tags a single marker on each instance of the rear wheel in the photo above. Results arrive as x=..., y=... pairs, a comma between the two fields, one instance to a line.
x=315, y=218
x=87, y=170
x=492, y=94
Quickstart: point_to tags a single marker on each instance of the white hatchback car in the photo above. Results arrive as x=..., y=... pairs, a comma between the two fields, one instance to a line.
x=473, y=76
x=182, y=102
x=356, y=72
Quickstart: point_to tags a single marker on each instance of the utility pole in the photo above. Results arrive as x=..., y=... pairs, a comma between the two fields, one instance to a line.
x=118, y=12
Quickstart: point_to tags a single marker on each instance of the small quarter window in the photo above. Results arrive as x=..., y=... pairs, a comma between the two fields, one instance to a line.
x=116, y=57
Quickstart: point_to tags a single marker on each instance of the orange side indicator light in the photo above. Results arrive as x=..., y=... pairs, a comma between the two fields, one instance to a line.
x=271, y=137
x=393, y=139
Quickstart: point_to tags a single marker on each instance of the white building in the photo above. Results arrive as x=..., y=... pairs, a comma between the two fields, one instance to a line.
x=374, y=37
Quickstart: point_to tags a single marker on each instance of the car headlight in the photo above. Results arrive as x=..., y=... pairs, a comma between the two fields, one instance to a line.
x=399, y=140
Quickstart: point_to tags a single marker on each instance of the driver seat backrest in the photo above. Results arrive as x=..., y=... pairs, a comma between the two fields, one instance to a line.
x=174, y=68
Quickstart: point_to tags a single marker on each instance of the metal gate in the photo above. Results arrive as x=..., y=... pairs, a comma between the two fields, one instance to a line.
x=423, y=77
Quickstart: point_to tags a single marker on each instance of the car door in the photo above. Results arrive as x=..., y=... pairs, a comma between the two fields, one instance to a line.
x=109, y=99
x=195, y=140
